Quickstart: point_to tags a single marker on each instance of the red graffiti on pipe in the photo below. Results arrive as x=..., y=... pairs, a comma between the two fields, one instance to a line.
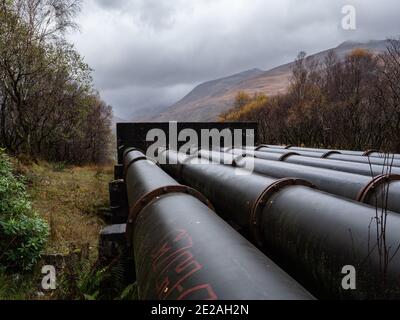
x=174, y=264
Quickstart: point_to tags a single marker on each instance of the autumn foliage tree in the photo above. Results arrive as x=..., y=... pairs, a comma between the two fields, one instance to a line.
x=350, y=103
x=48, y=107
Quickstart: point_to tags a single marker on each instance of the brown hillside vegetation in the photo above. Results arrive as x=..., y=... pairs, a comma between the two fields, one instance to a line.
x=351, y=104
x=244, y=106
x=208, y=100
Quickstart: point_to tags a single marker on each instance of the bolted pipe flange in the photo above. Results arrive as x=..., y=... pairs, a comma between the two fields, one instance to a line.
x=369, y=152
x=287, y=155
x=329, y=153
x=263, y=199
x=370, y=188
x=261, y=146
x=153, y=196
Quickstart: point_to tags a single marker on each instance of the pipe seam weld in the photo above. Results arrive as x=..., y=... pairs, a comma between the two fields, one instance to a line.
x=127, y=150
x=368, y=190
x=329, y=153
x=139, y=158
x=263, y=199
x=154, y=195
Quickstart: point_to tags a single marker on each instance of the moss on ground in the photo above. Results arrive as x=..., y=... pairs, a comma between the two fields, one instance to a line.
x=71, y=199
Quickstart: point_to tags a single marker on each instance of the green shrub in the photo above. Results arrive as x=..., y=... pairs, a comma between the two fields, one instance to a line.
x=23, y=234
x=13, y=199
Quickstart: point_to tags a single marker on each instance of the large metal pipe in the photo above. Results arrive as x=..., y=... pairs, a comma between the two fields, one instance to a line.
x=367, y=160
x=383, y=159
x=184, y=251
x=381, y=191
x=369, y=153
x=313, y=234
x=295, y=158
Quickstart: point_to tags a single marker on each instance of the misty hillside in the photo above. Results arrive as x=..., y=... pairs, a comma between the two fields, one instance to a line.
x=208, y=100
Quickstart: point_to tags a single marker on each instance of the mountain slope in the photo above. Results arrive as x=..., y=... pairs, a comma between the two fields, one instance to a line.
x=199, y=104
x=208, y=100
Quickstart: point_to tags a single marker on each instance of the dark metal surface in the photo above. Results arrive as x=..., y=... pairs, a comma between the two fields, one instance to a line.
x=339, y=183
x=369, y=153
x=143, y=177
x=118, y=201
x=259, y=205
x=311, y=233
x=378, y=154
x=324, y=234
x=184, y=251
x=135, y=134
x=368, y=160
x=378, y=184
x=154, y=195
x=350, y=167
x=336, y=155
x=348, y=185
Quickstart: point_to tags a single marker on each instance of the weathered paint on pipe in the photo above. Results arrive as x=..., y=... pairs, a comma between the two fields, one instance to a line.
x=384, y=193
x=367, y=160
x=295, y=158
x=312, y=233
x=335, y=155
x=184, y=251
x=368, y=153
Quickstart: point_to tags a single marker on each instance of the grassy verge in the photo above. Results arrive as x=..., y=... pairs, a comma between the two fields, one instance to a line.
x=71, y=200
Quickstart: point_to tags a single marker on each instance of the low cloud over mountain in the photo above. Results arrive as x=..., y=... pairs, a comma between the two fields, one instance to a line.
x=147, y=54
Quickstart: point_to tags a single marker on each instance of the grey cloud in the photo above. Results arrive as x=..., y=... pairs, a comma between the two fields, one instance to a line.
x=149, y=53
x=158, y=14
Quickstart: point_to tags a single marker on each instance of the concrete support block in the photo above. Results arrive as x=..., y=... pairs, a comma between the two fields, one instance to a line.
x=114, y=249
x=118, y=202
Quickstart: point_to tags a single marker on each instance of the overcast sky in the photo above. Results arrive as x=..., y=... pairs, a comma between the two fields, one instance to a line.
x=150, y=53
